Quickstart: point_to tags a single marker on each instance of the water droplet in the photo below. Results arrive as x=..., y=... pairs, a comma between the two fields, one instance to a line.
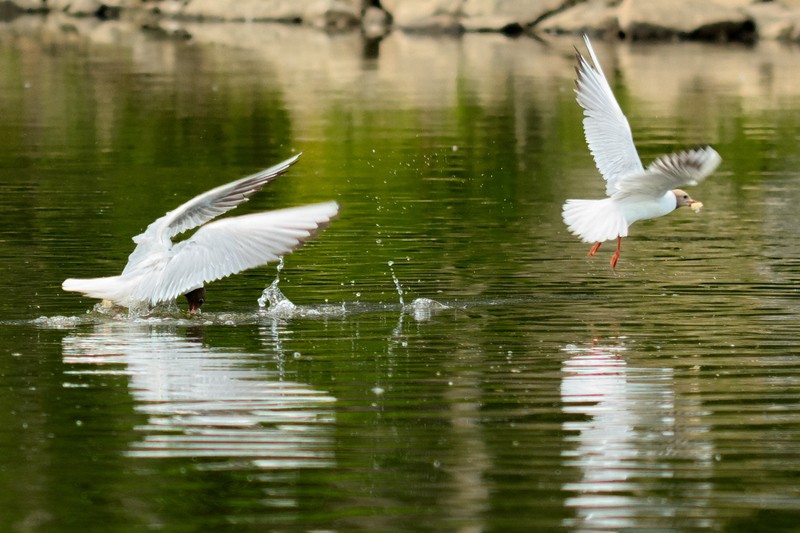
x=396, y=283
x=272, y=299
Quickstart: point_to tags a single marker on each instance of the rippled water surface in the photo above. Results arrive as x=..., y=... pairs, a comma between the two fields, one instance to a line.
x=445, y=357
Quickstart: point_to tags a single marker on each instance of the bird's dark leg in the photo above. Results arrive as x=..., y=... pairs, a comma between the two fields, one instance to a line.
x=615, y=257
x=196, y=298
x=594, y=249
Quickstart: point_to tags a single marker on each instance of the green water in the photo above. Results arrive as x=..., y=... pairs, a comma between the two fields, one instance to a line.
x=519, y=386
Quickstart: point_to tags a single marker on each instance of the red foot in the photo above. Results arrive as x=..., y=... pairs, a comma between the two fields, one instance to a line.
x=594, y=249
x=615, y=257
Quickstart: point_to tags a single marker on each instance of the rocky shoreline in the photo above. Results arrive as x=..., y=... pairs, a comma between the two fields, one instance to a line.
x=715, y=20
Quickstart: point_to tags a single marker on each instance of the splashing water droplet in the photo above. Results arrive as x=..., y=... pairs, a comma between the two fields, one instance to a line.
x=396, y=283
x=273, y=300
x=424, y=308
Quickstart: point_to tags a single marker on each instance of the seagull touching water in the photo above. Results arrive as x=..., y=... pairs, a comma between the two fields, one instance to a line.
x=159, y=271
x=634, y=193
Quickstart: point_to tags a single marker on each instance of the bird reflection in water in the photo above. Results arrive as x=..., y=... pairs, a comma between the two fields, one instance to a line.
x=611, y=402
x=204, y=402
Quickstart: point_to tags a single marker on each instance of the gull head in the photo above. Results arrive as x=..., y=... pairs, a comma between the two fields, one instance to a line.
x=683, y=199
x=196, y=299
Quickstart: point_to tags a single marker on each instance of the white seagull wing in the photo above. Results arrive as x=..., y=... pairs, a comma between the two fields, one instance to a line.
x=234, y=244
x=607, y=131
x=213, y=203
x=669, y=172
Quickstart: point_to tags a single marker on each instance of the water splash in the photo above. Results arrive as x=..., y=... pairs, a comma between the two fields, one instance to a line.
x=59, y=322
x=424, y=308
x=396, y=283
x=272, y=294
x=273, y=301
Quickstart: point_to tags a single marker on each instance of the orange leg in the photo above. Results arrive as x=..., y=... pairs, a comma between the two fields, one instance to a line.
x=615, y=257
x=594, y=249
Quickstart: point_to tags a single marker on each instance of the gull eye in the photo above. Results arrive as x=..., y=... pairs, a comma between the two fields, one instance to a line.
x=201, y=301
x=685, y=196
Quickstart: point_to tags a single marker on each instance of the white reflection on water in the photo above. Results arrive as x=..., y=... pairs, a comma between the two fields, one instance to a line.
x=627, y=429
x=205, y=402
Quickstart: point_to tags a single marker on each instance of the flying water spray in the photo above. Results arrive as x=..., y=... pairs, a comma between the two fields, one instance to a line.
x=272, y=300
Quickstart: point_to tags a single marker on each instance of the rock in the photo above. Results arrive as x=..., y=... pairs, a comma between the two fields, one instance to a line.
x=684, y=19
x=774, y=21
x=28, y=5
x=169, y=28
x=323, y=13
x=374, y=22
x=501, y=15
x=470, y=15
x=595, y=17
x=78, y=8
x=250, y=10
x=425, y=15
x=334, y=18
x=724, y=20
x=169, y=8
x=738, y=4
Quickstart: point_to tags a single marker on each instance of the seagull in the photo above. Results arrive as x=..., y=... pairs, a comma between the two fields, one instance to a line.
x=159, y=270
x=634, y=192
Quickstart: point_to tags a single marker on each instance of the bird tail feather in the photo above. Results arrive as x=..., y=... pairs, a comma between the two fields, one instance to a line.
x=595, y=220
x=108, y=288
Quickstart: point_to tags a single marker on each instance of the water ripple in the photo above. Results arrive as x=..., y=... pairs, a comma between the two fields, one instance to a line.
x=207, y=403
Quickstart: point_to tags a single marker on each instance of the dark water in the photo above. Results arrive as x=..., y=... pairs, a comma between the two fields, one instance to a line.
x=455, y=361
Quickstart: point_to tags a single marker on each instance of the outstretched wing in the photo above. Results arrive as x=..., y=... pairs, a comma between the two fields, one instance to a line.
x=669, y=172
x=234, y=244
x=607, y=131
x=213, y=203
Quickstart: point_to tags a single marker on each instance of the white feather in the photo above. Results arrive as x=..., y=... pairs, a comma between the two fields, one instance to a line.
x=669, y=172
x=607, y=131
x=634, y=193
x=595, y=220
x=157, y=271
x=231, y=245
x=111, y=288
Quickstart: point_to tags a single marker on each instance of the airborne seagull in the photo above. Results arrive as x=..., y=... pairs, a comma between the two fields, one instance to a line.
x=159, y=271
x=634, y=193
